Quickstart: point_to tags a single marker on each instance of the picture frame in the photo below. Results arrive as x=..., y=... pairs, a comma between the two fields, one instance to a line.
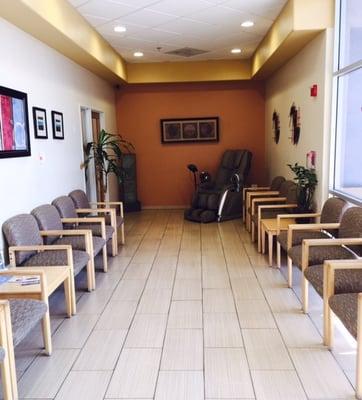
x=14, y=124
x=40, y=123
x=57, y=125
x=189, y=130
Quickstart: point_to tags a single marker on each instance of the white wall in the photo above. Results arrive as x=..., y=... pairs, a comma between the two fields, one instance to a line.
x=54, y=82
x=291, y=83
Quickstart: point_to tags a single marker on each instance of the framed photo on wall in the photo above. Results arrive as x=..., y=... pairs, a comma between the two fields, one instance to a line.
x=40, y=123
x=14, y=124
x=190, y=130
x=58, y=125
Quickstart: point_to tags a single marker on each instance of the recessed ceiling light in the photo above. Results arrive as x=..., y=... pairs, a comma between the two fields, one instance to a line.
x=247, y=24
x=120, y=28
x=235, y=51
x=138, y=54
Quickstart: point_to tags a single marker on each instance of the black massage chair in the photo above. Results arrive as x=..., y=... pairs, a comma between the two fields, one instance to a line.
x=221, y=198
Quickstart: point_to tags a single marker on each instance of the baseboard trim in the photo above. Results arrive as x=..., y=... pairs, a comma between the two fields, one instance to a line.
x=164, y=207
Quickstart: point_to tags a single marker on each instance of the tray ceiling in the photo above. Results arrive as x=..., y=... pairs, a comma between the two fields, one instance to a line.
x=156, y=27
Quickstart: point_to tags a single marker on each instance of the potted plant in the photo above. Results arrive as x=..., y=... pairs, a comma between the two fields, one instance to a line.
x=306, y=184
x=107, y=154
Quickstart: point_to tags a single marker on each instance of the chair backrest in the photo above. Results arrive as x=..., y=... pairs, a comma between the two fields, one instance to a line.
x=22, y=230
x=292, y=194
x=79, y=198
x=277, y=182
x=332, y=210
x=65, y=207
x=48, y=219
x=233, y=162
x=284, y=187
x=351, y=227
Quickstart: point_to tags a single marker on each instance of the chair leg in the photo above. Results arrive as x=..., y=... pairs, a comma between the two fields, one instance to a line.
x=305, y=285
x=327, y=323
x=270, y=243
x=252, y=232
x=47, y=336
x=114, y=243
x=8, y=372
x=359, y=350
x=290, y=272
x=68, y=297
x=10, y=353
x=72, y=288
x=105, y=258
x=90, y=269
x=122, y=234
x=279, y=256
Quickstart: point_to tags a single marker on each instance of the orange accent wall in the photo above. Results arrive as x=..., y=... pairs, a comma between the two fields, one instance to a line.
x=163, y=179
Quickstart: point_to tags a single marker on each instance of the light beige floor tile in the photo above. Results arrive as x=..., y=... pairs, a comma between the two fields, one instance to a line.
x=218, y=300
x=265, y=349
x=84, y=385
x=144, y=256
x=254, y=314
x=212, y=279
x=222, y=330
x=188, y=271
x=185, y=315
x=180, y=385
x=93, y=303
x=227, y=374
x=155, y=301
x=277, y=385
x=183, y=350
x=237, y=272
x=147, y=331
x=73, y=332
x=320, y=374
x=137, y=271
x=101, y=351
x=129, y=290
x=298, y=330
x=270, y=278
x=187, y=289
x=45, y=376
x=135, y=374
x=282, y=300
x=161, y=277
x=117, y=315
x=246, y=288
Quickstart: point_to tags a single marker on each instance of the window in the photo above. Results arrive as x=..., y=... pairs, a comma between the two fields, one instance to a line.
x=347, y=151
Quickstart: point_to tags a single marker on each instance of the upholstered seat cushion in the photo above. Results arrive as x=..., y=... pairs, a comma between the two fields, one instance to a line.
x=298, y=236
x=58, y=257
x=97, y=230
x=345, y=306
x=346, y=280
x=78, y=243
x=318, y=254
x=268, y=214
x=25, y=314
x=119, y=220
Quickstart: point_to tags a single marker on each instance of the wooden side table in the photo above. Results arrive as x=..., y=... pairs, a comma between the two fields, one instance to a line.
x=54, y=277
x=270, y=227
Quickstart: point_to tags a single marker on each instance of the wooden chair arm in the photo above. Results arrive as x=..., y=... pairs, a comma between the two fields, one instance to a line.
x=271, y=206
x=94, y=210
x=294, y=216
x=88, y=220
x=67, y=232
x=313, y=227
x=255, y=193
x=256, y=188
x=331, y=242
x=256, y=202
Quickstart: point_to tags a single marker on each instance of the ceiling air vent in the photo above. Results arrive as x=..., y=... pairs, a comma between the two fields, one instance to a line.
x=187, y=52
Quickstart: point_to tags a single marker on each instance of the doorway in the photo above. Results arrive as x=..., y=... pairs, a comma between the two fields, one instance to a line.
x=92, y=123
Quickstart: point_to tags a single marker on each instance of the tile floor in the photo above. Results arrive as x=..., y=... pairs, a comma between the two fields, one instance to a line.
x=187, y=312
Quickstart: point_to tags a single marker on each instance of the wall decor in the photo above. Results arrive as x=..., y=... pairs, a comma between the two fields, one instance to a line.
x=58, y=125
x=184, y=130
x=276, y=126
x=40, y=123
x=311, y=159
x=14, y=124
x=294, y=123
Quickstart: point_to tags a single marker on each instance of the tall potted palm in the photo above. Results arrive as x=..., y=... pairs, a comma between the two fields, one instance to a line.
x=107, y=154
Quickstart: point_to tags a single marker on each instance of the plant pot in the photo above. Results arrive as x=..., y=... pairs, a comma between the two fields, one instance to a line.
x=304, y=220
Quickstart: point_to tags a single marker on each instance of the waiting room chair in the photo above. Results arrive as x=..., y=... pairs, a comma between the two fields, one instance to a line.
x=27, y=249
x=347, y=245
x=98, y=226
x=331, y=212
x=17, y=319
x=257, y=191
x=221, y=198
x=343, y=297
x=109, y=210
x=51, y=228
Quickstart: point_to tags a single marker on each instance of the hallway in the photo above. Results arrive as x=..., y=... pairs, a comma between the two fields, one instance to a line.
x=188, y=312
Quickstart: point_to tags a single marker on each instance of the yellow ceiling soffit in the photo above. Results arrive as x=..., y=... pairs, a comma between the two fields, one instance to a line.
x=194, y=71
x=59, y=25
x=298, y=23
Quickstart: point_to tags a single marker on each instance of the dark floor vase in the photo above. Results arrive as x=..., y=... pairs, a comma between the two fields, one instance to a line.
x=128, y=186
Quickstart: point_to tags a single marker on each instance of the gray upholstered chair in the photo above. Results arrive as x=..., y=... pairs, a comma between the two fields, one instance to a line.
x=343, y=295
x=347, y=245
x=17, y=318
x=98, y=226
x=332, y=212
x=107, y=209
x=259, y=191
x=51, y=228
x=271, y=207
x=27, y=249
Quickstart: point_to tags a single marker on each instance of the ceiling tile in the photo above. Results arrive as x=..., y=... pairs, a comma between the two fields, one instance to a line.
x=149, y=18
x=137, y=3
x=77, y=3
x=265, y=8
x=94, y=20
x=181, y=8
x=105, y=9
